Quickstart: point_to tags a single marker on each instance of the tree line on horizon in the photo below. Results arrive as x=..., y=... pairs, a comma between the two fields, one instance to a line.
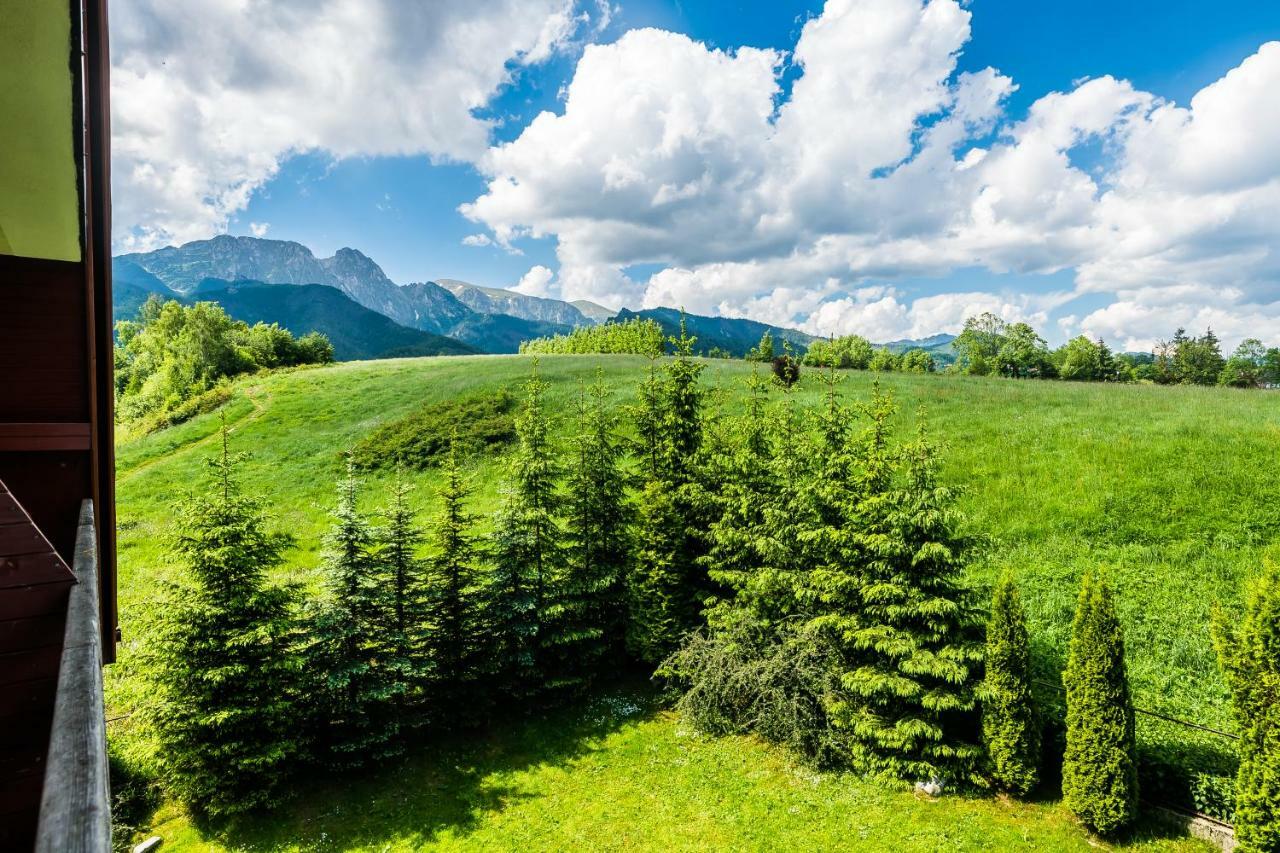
x=990, y=346
x=987, y=346
x=791, y=572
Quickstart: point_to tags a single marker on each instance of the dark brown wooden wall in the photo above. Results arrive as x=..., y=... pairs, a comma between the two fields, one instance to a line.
x=56, y=442
x=46, y=467
x=34, y=584
x=45, y=408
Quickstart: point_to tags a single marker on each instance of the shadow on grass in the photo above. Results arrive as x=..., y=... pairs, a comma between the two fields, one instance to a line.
x=442, y=783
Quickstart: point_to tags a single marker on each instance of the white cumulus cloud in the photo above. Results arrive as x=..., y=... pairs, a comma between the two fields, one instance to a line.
x=210, y=96
x=884, y=163
x=536, y=282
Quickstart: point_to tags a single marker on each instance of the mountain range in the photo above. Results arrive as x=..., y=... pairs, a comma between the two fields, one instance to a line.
x=204, y=267
x=367, y=315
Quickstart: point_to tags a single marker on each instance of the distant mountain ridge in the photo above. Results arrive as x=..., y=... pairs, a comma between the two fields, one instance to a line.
x=425, y=306
x=483, y=319
x=492, y=300
x=939, y=340
x=939, y=346
x=356, y=332
x=592, y=311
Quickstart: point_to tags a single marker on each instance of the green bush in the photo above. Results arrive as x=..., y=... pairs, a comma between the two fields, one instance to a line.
x=209, y=401
x=1008, y=712
x=745, y=677
x=134, y=798
x=1214, y=796
x=481, y=423
x=1099, y=772
x=638, y=336
x=1249, y=651
x=174, y=353
x=851, y=351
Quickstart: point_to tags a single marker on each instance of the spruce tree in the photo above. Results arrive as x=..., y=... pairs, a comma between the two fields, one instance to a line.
x=1009, y=723
x=527, y=550
x=359, y=694
x=682, y=412
x=668, y=583
x=647, y=416
x=1099, y=770
x=755, y=545
x=660, y=606
x=840, y=484
x=1249, y=652
x=741, y=466
x=914, y=639
x=224, y=658
x=454, y=606
x=401, y=614
x=589, y=614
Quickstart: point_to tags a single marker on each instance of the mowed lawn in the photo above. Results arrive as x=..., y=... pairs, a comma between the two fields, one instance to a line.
x=1174, y=492
x=620, y=775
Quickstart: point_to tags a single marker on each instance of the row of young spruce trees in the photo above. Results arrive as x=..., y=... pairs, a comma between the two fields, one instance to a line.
x=797, y=582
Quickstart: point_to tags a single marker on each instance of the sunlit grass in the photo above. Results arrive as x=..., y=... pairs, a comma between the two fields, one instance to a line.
x=1173, y=491
x=619, y=775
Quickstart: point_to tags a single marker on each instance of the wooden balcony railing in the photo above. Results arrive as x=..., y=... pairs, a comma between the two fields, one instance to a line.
x=75, y=805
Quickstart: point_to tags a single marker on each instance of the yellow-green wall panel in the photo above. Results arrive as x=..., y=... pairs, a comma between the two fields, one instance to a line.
x=39, y=206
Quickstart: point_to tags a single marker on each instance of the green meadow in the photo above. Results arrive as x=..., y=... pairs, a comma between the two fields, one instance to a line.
x=1171, y=491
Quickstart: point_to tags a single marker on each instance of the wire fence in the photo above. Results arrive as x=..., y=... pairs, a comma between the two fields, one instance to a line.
x=1182, y=764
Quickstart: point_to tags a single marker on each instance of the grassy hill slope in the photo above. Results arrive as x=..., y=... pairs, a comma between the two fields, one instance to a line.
x=1172, y=491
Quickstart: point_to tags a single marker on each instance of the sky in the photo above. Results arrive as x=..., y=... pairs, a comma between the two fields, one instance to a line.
x=878, y=167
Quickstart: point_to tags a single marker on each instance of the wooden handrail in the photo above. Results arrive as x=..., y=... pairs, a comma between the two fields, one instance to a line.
x=75, y=806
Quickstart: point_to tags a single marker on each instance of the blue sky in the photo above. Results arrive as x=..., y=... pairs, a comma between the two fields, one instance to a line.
x=391, y=183
x=402, y=211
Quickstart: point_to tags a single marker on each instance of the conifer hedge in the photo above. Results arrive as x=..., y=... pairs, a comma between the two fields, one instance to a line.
x=1250, y=656
x=1009, y=722
x=1099, y=770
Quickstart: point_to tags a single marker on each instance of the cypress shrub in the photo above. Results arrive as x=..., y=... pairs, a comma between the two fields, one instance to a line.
x=1249, y=652
x=1099, y=771
x=1009, y=724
